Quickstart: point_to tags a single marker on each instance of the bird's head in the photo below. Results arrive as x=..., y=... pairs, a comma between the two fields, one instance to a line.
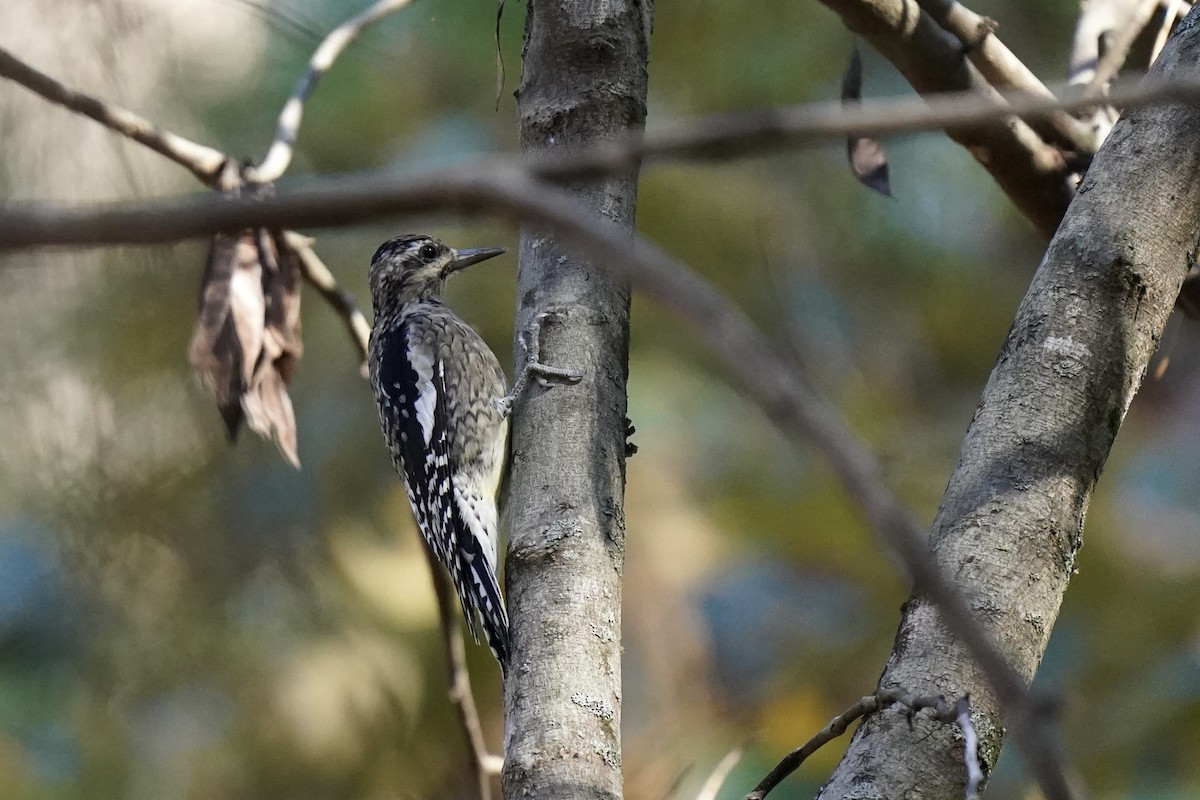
x=416, y=267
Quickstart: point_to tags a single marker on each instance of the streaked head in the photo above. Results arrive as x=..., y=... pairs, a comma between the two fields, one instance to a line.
x=416, y=267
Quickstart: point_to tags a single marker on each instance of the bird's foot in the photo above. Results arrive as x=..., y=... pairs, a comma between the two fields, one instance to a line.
x=545, y=374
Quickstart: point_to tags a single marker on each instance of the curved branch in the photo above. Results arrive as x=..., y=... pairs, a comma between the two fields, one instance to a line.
x=203, y=162
x=342, y=302
x=279, y=156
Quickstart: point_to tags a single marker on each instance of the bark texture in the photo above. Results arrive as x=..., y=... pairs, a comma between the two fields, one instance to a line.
x=584, y=78
x=1033, y=174
x=1010, y=523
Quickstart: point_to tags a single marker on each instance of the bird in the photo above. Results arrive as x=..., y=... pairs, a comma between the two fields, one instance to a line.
x=444, y=407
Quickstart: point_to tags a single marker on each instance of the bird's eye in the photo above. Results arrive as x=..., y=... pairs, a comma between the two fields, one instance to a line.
x=429, y=252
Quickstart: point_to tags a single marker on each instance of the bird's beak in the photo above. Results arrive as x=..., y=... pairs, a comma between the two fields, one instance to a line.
x=465, y=258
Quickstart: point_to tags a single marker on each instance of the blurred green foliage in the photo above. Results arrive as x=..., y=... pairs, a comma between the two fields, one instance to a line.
x=184, y=619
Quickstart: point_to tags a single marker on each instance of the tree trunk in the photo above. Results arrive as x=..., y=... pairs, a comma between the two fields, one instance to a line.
x=1011, y=521
x=584, y=78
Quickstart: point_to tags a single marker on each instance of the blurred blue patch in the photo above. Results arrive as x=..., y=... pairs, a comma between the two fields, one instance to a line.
x=272, y=508
x=444, y=141
x=760, y=613
x=180, y=722
x=39, y=649
x=37, y=619
x=53, y=750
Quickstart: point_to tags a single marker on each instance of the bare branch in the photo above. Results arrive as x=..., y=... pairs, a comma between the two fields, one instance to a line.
x=1005, y=71
x=203, y=162
x=941, y=711
x=279, y=156
x=351, y=199
x=342, y=302
x=483, y=764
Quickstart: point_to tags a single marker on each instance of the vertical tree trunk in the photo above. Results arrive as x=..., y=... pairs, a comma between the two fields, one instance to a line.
x=584, y=78
x=1011, y=520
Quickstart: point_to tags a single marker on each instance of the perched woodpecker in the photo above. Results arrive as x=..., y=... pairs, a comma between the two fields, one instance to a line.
x=443, y=407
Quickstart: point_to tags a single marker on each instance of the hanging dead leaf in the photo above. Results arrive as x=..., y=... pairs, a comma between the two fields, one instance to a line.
x=868, y=160
x=228, y=335
x=246, y=343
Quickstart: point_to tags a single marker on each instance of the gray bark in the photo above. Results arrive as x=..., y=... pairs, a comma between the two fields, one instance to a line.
x=584, y=78
x=1010, y=523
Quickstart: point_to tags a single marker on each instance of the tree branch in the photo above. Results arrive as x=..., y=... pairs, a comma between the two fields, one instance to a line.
x=1116, y=47
x=352, y=199
x=716, y=778
x=203, y=162
x=1010, y=523
x=583, y=80
x=941, y=711
x=279, y=156
x=341, y=301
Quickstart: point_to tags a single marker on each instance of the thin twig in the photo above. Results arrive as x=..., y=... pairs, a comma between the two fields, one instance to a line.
x=341, y=301
x=279, y=156
x=716, y=778
x=203, y=162
x=941, y=711
x=483, y=764
x=352, y=199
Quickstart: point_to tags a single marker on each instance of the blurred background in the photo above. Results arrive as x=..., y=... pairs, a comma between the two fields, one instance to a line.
x=180, y=618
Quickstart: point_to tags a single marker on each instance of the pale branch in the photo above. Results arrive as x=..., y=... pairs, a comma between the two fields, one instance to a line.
x=1001, y=67
x=716, y=779
x=484, y=765
x=1097, y=22
x=1116, y=47
x=1173, y=11
x=279, y=156
x=940, y=711
x=203, y=162
x=342, y=302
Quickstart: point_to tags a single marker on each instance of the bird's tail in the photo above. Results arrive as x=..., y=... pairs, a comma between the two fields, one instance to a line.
x=479, y=593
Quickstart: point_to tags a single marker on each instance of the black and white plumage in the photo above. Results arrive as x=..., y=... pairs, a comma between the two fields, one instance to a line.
x=443, y=410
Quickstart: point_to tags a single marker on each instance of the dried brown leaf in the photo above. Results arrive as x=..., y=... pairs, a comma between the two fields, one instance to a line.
x=868, y=160
x=247, y=339
x=228, y=335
